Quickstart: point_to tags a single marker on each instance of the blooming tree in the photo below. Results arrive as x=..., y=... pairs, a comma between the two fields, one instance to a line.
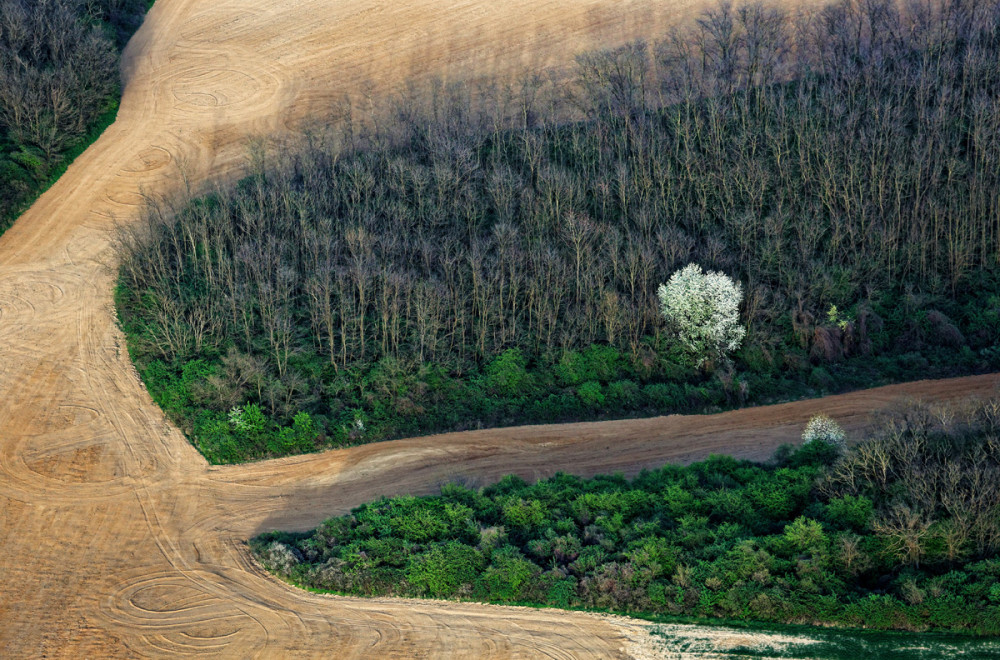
x=702, y=309
x=821, y=427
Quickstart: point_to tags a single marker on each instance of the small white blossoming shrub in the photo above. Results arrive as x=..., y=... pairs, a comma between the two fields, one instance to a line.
x=821, y=427
x=236, y=419
x=250, y=419
x=703, y=310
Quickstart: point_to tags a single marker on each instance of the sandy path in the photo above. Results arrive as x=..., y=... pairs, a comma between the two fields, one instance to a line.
x=116, y=539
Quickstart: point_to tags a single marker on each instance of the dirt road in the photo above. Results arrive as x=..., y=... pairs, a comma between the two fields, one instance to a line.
x=116, y=539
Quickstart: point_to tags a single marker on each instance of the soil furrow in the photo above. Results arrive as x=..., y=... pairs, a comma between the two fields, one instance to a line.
x=117, y=539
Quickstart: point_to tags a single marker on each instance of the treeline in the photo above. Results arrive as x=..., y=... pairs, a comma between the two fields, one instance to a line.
x=492, y=255
x=898, y=532
x=58, y=77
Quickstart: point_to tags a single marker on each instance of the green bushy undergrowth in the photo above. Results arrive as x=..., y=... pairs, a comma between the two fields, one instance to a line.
x=491, y=256
x=389, y=399
x=814, y=536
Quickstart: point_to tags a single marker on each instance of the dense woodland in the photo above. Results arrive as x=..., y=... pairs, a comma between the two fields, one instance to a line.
x=491, y=255
x=59, y=85
x=899, y=532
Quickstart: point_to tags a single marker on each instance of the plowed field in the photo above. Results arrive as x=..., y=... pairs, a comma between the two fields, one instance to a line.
x=116, y=538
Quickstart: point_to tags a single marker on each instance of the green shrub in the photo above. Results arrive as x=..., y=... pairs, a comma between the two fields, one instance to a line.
x=510, y=576
x=305, y=432
x=571, y=370
x=821, y=379
x=519, y=514
x=590, y=394
x=806, y=535
x=445, y=569
x=561, y=592
x=623, y=394
x=850, y=511
x=664, y=397
x=507, y=375
x=877, y=611
x=602, y=363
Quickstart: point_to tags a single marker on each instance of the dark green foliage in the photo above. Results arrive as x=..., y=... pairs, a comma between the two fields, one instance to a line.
x=509, y=577
x=121, y=17
x=722, y=538
x=471, y=265
x=445, y=569
x=506, y=375
x=850, y=511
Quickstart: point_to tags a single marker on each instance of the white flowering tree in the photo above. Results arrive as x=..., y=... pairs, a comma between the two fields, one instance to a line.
x=703, y=310
x=821, y=427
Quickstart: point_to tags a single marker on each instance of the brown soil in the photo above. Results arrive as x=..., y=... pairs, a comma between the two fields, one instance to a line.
x=116, y=538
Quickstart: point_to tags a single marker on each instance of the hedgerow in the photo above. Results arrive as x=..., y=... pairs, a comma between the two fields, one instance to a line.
x=814, y=536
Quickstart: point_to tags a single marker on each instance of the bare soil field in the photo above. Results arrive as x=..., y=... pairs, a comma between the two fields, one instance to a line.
x=116, y=538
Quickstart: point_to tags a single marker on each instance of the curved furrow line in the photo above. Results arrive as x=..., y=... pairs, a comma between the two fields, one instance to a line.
x=117, y=539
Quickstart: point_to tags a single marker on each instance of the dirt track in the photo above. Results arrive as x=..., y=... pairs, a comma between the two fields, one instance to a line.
x=116, y=539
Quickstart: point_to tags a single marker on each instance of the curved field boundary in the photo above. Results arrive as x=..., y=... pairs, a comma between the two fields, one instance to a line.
x=116, y=538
